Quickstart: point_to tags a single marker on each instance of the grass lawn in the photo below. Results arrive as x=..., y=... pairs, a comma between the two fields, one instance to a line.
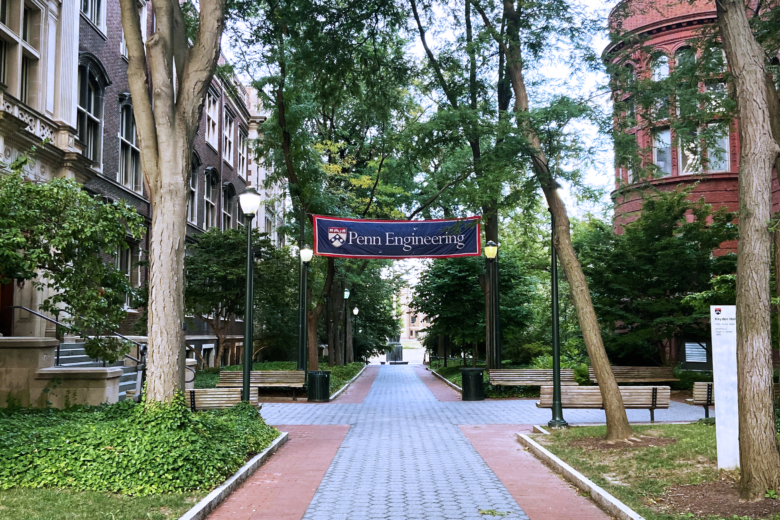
x=648, y=479
x=62, y=504
x=339, y=375
x=452, y=374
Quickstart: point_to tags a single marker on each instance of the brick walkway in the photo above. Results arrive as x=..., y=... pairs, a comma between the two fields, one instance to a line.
x=408, y=455
x=438, y=388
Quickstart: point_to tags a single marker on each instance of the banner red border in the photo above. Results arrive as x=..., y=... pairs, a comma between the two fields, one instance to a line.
x=326, y=217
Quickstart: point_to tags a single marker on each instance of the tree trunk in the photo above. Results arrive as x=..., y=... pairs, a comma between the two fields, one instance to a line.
x=312, y=317
x=776, y=241
x=759, y=456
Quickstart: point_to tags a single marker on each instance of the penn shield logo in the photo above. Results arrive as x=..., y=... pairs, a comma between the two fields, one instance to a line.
x=337, y=236
x=717, y=310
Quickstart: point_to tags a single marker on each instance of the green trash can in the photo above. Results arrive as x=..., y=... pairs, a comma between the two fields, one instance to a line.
x=472, y=384
x=319, y=386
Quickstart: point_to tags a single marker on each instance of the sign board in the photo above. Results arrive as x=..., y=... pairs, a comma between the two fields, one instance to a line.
x=395, y=239
x=723, y=319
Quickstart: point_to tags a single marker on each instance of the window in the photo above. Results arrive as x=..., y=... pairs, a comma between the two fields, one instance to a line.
x=269, y=225
x=210, y=201
x=90, y=110
x=26, y=24
x=127, y=263
x=228, y=207
x=24, y=85
x=4, y=12
x=3, y=59
x=129, y=153
x=662, y=151
x=243, y=145
x=716, y=95
x=688, y=147
x=227, y=145
x=92, y=9
x=212, y=118
x=695, y=352
x=192, y=203
x=660, y=67
x=718, y=157
x=684, y=59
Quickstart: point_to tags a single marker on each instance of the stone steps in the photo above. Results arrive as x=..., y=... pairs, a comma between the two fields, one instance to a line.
x=73, y=355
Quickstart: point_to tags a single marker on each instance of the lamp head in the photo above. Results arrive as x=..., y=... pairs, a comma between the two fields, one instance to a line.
x=491, y=250
x=346, y=294
x=355, y=311
x=250, y=201
x=306, y=254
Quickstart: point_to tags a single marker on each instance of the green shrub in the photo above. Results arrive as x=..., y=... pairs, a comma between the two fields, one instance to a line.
x=582, y=375
x=129, y=448
x=340, y=374
x=522, y=354
x=687, y=378
x=206, y=378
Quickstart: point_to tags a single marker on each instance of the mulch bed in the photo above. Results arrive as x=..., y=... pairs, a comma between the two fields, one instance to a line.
x=641, y=441
x=715, y=498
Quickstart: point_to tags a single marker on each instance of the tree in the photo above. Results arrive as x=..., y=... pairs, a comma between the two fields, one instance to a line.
x=171, y=73
x=642, y=277
x=65, y=240
x=759, y=456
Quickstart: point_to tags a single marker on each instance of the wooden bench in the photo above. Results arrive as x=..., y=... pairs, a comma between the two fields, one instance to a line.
x=264, y=378
x=528, y=377
x=704, y=395
x=215, y=398
x=636, y=397
x=639, y=374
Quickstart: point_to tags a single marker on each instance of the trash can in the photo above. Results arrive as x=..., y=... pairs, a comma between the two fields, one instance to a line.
x=472, y=384
x=319, y=386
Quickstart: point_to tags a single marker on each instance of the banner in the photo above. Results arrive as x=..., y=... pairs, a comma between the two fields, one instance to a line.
x=355, y=238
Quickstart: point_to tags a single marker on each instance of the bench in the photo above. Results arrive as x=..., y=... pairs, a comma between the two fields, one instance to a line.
x=215, y=398
x=264, y=378
x=528, y=377
x=704, y=395
x=636, y=397
x=639, y=374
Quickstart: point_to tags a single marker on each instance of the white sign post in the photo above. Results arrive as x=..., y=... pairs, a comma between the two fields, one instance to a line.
x=723, y=319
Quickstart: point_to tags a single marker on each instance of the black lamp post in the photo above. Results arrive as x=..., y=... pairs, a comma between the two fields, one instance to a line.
x=250, y=202
x=355, y=311
x=491, y=251
x=557, y=420
x=346, y=297
x=305, y=254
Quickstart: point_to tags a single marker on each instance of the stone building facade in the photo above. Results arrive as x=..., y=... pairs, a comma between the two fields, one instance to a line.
x=63, y=70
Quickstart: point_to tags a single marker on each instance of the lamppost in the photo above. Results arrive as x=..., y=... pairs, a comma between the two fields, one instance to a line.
x=354, y=329
x=250, y=202
x=346, y=297
x=557, y=420
x=491, y=251
x=305, y=254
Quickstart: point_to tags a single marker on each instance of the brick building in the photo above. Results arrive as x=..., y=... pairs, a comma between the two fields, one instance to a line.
x=63, y=69
x=668, y=27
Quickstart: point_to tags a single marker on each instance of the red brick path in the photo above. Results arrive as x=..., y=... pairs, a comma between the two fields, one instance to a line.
x=284, y=486
x=358, y=390
x=438, y=388
x=542, y=494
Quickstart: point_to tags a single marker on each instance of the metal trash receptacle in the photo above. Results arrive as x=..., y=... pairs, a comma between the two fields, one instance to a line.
x=473, y=389
x=319, y=386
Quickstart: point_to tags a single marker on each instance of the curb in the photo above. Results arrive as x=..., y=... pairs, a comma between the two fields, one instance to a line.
x=604, y=500
x=201, y=510
x=450, y=383
x=344, y=388
x=539, y=429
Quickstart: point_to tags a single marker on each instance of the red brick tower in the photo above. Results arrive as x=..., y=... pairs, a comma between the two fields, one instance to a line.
x=668, y=26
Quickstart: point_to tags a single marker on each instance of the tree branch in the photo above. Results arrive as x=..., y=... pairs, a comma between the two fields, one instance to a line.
x=436, y=68
x=376, y=182
x=438, y=194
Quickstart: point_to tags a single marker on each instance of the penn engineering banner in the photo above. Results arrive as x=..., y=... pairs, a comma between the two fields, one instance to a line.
x=355, y=238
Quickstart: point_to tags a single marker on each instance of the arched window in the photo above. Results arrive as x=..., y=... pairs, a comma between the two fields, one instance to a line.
x=210, y=199
x=684, y=58
x=92, y=82
x=228, y=206
x=192, y=202
x=660, y=66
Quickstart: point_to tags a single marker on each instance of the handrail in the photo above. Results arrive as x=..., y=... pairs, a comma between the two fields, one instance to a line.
x=141, y=346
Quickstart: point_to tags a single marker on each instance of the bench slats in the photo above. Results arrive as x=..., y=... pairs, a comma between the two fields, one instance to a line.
x=528, y=377
x=639, y=374
x=262, y=378
x=216, y=398
x=634, y=397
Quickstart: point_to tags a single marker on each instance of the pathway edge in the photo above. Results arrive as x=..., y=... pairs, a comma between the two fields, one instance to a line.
x=201, y=510
x=450, y=383
x=346, y=385
x=607, y=502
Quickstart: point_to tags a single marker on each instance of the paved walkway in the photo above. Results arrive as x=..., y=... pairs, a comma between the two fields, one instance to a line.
x=408, y=455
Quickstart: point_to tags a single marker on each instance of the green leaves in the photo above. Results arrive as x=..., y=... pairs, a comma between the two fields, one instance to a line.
x=128, y=448
x=58, y=228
